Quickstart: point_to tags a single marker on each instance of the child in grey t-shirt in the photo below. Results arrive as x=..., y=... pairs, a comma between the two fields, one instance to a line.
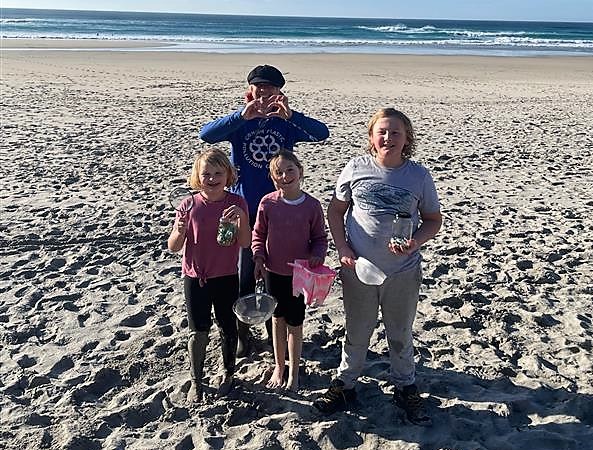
x=369, y=192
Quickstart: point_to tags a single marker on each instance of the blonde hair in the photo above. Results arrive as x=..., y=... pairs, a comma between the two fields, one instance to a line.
x=216, y=158
x=288, y=156
x=410, y=146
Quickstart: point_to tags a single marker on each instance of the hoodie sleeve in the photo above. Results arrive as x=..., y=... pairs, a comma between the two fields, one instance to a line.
x=221, y=129
x=308, y=129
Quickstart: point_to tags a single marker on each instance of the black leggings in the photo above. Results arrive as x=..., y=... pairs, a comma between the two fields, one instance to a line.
x=290, y=307
x=220, y=292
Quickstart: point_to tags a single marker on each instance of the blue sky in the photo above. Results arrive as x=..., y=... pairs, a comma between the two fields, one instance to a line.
x=542, y=10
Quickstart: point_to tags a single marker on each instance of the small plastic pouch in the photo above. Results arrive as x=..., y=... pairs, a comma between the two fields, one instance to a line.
x=313, y=282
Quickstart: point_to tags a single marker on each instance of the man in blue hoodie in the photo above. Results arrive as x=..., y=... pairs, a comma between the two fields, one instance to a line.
x=256, y=131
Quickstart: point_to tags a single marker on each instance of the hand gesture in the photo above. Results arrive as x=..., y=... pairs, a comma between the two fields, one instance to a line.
x=254, y=109
x=264, y=107
x=278, y=107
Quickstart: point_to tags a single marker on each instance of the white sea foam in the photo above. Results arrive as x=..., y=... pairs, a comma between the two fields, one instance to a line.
x=495, y=41
x=21, y=20
x=289, y=34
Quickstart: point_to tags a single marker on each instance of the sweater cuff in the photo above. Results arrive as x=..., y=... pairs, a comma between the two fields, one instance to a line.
x=238, y=115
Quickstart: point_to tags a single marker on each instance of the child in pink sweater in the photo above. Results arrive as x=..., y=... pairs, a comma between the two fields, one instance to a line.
x=289, y=226
x=210, y=279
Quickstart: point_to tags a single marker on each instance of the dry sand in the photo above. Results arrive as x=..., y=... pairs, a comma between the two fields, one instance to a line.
x=92, y=320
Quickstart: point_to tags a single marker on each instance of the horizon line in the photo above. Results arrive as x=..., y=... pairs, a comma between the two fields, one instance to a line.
x=298, y=16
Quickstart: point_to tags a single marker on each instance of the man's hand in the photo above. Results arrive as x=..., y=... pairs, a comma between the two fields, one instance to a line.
x=278, y=107
x=265, y=107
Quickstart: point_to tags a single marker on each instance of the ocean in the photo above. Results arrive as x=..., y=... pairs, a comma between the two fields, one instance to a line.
x=270, y=34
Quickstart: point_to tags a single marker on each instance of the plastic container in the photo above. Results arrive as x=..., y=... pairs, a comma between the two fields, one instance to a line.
x=368, y=273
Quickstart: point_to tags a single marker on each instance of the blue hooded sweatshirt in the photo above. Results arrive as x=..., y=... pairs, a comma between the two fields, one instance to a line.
x=254, y=142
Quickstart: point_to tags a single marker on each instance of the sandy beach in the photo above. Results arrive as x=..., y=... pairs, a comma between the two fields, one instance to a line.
x=93, y=327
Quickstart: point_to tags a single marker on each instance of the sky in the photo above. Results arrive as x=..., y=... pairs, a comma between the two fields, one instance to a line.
x=538, y=10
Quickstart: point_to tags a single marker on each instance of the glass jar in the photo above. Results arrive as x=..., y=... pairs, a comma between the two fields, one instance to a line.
x=401, y=231
x=227, y=232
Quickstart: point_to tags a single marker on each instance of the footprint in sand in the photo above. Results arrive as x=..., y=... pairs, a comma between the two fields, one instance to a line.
x=26, y=361
x=135, y=320
x=140, y=415
x=62, y=365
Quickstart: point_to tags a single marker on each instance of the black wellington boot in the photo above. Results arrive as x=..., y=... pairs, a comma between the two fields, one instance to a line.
x=244, y=341
x=229, y=356
x=196, y=345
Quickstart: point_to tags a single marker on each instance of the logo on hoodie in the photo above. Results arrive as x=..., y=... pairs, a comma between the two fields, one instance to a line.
x=259, y=146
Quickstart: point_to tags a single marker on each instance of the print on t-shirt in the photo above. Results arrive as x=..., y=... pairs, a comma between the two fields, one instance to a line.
x=378, y=199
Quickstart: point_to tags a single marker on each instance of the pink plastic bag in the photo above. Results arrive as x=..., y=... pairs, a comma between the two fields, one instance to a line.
x=313, y=282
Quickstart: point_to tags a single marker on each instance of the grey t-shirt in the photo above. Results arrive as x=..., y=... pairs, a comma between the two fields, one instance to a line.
x=376, y=194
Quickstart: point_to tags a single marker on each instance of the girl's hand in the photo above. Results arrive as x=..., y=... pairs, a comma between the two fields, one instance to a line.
x=180, y=225
x=233, y=214
x=346, y=256
x=315, y=261
x=259, y=271
x=410, y=247
x=178, y=237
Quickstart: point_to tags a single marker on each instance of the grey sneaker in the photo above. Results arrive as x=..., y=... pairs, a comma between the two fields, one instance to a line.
x=410, y=401
x=336, y=398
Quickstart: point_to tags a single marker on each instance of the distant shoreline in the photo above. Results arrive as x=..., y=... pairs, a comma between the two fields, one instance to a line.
x=76, y=44
x=101, y=44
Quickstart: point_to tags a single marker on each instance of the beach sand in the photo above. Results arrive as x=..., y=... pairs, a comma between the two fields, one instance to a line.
x=92, y=323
